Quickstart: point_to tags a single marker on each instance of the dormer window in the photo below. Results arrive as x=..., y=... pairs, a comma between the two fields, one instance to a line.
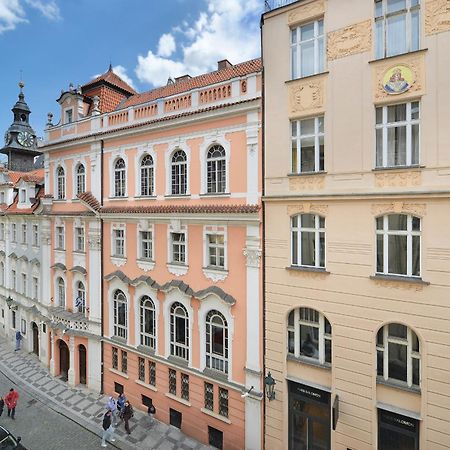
x=69, y=116
x=23, y=196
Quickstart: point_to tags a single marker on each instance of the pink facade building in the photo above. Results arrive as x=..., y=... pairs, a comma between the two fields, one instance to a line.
x=155, y=246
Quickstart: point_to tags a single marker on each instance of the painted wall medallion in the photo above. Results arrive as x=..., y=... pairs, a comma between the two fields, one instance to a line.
x=398, y=79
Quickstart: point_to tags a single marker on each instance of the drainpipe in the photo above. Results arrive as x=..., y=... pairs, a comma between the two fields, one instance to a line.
x=102, y=350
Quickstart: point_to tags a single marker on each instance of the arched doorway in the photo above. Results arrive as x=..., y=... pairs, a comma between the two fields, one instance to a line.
x=35, y=338
x=64, y=360
x=82, y=363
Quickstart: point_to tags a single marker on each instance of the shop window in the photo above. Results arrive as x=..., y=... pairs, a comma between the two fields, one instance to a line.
x=397, y=432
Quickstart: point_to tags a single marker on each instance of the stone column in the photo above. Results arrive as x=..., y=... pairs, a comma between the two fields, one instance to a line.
x=71, y=373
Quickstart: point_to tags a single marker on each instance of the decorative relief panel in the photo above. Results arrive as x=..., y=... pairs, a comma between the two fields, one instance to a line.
x=306, y=182
x=416, y=65
x=356, y=38
x=437, y=16
x=417, y=209
x=306, y=12
x=306, y=96
x=398, y=179
x=307, y=208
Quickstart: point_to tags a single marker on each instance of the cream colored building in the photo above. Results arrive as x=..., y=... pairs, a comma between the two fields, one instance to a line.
x=357, y=215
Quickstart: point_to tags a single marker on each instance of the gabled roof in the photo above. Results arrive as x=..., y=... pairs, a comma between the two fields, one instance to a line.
x=35, y=176
x=111, y=78
x=13, y=209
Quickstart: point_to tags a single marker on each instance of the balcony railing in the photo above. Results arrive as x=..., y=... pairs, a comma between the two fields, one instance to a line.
x=70, y=320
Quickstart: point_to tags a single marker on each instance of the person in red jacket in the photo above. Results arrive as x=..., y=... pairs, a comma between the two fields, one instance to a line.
x=11, y=402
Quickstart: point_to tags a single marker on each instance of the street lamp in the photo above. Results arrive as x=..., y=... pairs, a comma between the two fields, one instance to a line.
x=9, y=303
x=270, y=387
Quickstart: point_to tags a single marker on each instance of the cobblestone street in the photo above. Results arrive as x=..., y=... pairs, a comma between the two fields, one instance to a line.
x=51, y=416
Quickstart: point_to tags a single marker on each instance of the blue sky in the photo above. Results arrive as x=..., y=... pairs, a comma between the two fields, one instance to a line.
x=55, y=42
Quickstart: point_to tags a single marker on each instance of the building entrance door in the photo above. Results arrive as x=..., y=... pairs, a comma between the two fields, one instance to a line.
x=64, y=360
x=309, y=418
x=35, y=338
x=82, y=363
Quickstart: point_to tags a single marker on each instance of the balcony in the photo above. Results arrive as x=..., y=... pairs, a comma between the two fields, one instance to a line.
x=68, y=320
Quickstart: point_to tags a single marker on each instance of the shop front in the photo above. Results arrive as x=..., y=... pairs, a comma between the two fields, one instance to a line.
x=397, y=431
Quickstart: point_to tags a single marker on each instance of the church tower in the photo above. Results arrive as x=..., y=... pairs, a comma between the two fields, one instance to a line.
x=20, y=139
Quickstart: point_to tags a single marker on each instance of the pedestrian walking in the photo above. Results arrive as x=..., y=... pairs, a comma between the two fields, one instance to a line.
x=127, y=414
x=151, y=411
x=11, y=402
x=121, y=399
x=18, y=340
x=108, y=429
x=2, y=405
x=112, y=406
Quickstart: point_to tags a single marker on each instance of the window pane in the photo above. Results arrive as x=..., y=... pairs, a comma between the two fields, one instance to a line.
x=307, y=58
x=379, y=36
x=321, y=153
x=397, y=330
x=307, y=31
x=291, y=340
x=328, y=351
x=291, y=318
x=321, y=61
x=307, y=127
x=320, y=121
x=396, y=35
x=380, y=337
x=309, y=341
x=295, y=73
x=307, y=156
x=294, y=156
x=380, y=355
x=415, y=111
x=379, y=138
x=395, y=5
x=397, y=362
x=308, y=248
x=416, y=256
x=378, y=8
x=180, y=335
x=396, y=151
x=415, y=30
x=322, y=249
x=379, y=115
x=294, y=36
x=415, y=224
x=396, y=113
x=415, y=144
x=415, y=342
x=380, y=266
x=397, y=255
x=379, y=223
x=397, y=222
x=295, y=247
x=415, y=371
x=308, y=220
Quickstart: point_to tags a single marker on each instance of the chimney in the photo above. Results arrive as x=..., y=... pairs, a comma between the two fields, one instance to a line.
x=182, y=78
x=224, y=64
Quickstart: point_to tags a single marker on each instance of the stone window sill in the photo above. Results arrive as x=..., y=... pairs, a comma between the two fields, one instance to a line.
x=293, y=80
x=219, y=376
x=215, y=194
x=124, y=197
x=402, y=168
x=308, y=361
x=216, y=416
x=144, y=384
x=398, y=385
x=397, y=56
x=79, y=252
x=121, y=374
x=145, y=197
x=177, y=195
x=399, y=278
x=308, y=269
x=307, y=174
x=178, y=399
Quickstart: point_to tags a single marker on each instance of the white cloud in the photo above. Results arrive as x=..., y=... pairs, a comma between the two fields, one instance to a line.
x=11, y=14
x=166, y=45
x=122, y=73
x=228, y=29
x=48, y=9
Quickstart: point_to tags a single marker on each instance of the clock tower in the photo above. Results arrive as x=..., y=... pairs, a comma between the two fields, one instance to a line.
x=20, y=139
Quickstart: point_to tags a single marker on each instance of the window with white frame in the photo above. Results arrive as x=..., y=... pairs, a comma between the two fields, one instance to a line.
x=23, y=196
x=308, y=146
x=216, y=170
x=147, y=322
x=179, y=331
x=308, y=240
x=216, y=341
x=120, y=314
x=24, y=284
x=146, y=241
x=35, y=288
x=309, y=335
x=23, y=326
x=398, y=245
x=215, y=250
x=120, y=179
x=80, y=178
x=80, y=299
x=24, y=233
x=61, y=292
x=2, y=231
x=179, y=173
x=60, y=183
x=60, y=244
x=398, y=354
x=119, y=242
x=307, y=49
x=147, y=175
x=35, y=235
x=13, y=279
x=178, y=248
x=79, y=239
x=13, y=232
x=397, y=27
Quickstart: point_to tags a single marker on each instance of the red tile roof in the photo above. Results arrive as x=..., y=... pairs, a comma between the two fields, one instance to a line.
x=13, y=209
x=111, y=78
x=181, y=209
x=90, y=201
x=35, y=176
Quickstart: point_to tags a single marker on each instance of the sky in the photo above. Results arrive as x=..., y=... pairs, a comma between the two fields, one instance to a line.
x=56, y=42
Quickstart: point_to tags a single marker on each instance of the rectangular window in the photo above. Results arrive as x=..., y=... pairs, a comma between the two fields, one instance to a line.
x=2, y=231
x=223, y=402
x=307, y=138
x=69, y=116
x=13, y=319
x=79, y=239
x=13, y=232
x=13, y=279
x=35, y=288
x=118, y=387
x=397, y=135
x=307, y=49
x=124, y=361
x=23, y=196
x=146, y=401
x=152, y=373
x=24, y=233
x=24, y=284
x=119, y=242
x=178, y=248
x=141, y=369
x=146, y=244
x=23, y=326
x=216, y=250
x=185, y=386
x=172, y=382
x=115, y=358
x=397, y=27
x=35, y=235
x=60, y=238
x=209, y=396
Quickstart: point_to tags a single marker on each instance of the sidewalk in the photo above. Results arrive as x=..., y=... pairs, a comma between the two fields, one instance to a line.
x=87, y=408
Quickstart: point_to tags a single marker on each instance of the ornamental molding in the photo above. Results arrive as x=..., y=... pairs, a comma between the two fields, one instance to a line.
x=307, y=208
x=306, y=96
x=118, y=262
x=177, y=270
x=253, y=255
x=437, y=16
x=215, y=275
x=306, y=182
x=94, y=241
x=145, y=265
x=416, y=209
x=306, y=11
x=398, y=179
x=350, y=40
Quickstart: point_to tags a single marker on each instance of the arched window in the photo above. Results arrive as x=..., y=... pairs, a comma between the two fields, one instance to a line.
x=120, y=178
x=120, y=314
x=147, y=322
x=61, y=286
x=308, y=240
x=309, y=335
x=80, y=300
x=216, y=341
x=61, y=183
x=147, y=174
x=398, y=354
x=179, y=331
x=179, y=173
x=398, y=245
x=216, y=175
x=81, y=178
